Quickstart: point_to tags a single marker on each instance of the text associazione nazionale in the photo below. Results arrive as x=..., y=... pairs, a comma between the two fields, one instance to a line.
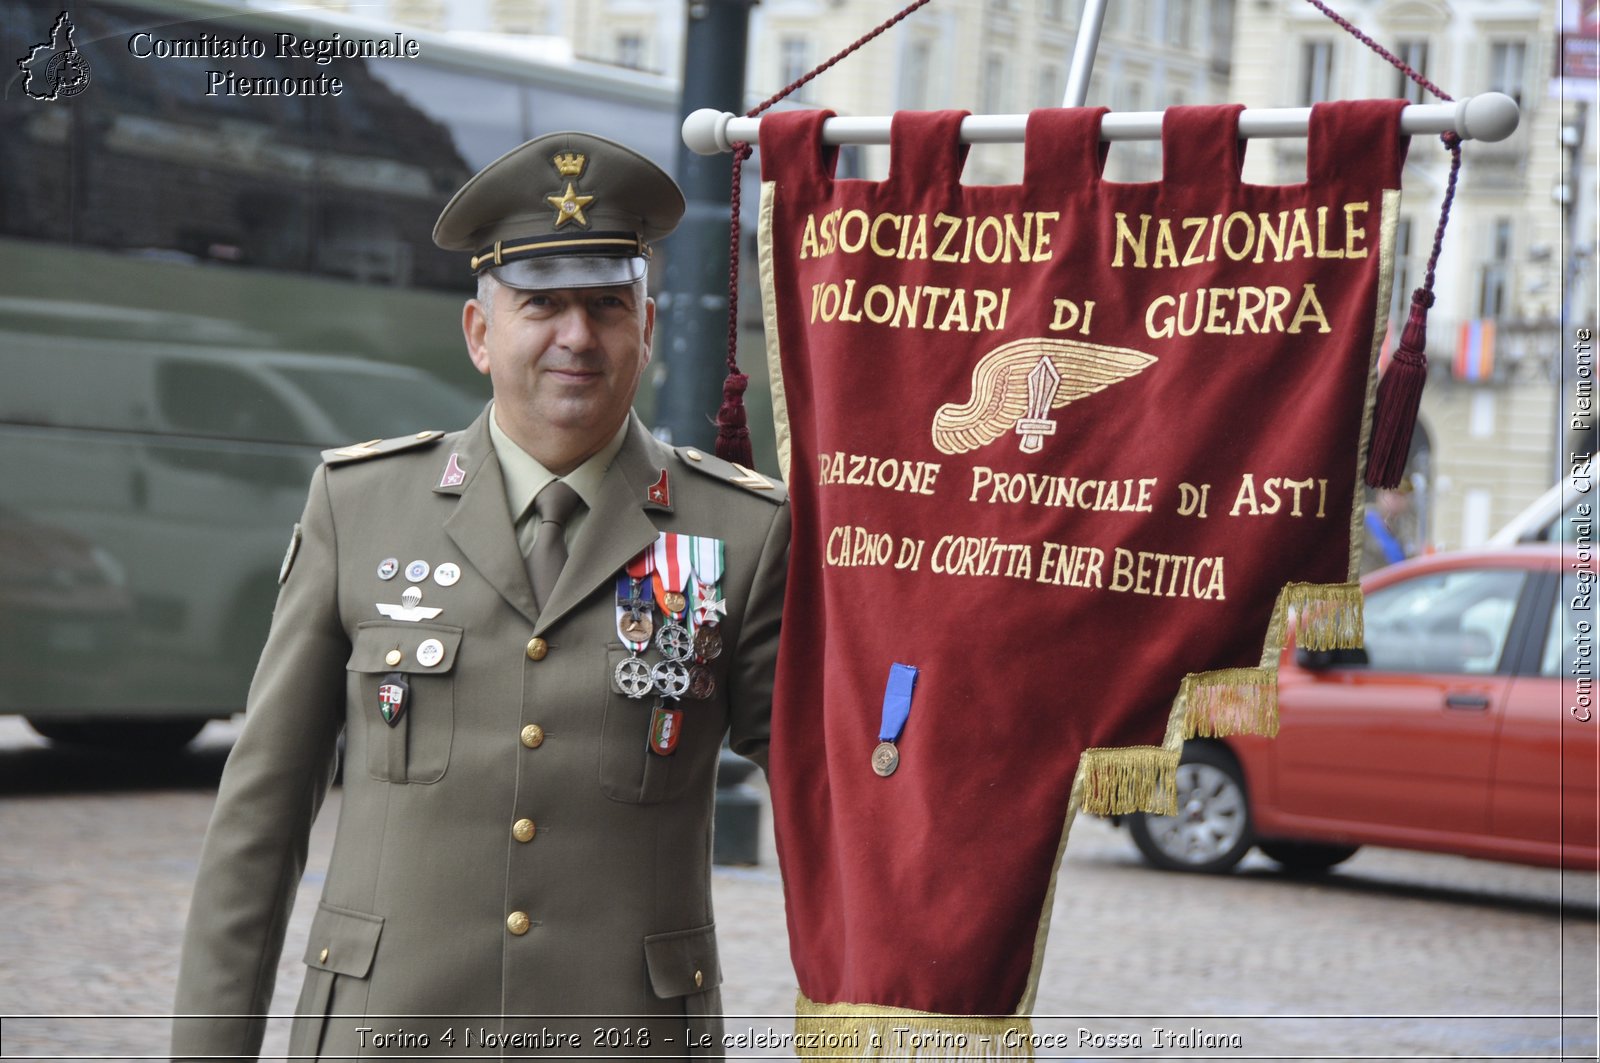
x=286, y=46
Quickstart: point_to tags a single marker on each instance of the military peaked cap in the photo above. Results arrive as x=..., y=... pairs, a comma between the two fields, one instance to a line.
x=565, y=210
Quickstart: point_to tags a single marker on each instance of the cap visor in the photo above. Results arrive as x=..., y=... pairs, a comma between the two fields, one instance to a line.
x=570, y=272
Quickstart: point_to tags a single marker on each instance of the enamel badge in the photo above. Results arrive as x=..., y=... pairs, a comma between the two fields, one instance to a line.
x=664, y=730
x=392, y=698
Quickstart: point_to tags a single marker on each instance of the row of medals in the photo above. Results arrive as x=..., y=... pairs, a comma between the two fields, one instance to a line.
x=684, y=670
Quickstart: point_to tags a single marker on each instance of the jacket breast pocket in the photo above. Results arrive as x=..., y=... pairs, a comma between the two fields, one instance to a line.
x=629, y=772
x=406, y=670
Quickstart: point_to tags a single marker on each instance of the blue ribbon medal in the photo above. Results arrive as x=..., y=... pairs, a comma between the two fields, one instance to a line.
x=896, y=710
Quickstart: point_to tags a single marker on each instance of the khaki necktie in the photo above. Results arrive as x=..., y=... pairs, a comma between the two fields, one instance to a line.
x=552, y=509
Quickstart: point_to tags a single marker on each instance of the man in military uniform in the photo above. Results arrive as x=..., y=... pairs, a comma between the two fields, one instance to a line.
x=534, y=634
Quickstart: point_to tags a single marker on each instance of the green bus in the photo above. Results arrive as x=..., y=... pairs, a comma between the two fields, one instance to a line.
x=201, y=289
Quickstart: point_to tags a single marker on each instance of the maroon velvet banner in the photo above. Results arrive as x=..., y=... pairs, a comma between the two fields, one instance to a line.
x=1074, y=451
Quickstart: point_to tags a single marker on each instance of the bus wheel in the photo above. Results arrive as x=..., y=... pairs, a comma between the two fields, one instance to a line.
x=154, y=733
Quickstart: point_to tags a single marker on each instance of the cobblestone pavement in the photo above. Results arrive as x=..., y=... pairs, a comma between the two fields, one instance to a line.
x=1396, y=955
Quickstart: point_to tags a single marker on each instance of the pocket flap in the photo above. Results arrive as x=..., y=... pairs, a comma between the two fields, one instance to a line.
x=343, y=941
x=377, y=641
x=683, y=962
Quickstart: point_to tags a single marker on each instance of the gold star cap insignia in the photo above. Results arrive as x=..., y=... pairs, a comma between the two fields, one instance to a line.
x=569, y=207
x=588, y=228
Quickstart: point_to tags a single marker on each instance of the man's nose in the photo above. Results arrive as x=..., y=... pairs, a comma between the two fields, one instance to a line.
x=574, y=330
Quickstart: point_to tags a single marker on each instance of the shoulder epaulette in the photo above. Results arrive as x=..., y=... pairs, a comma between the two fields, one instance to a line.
x=377, y=448
x=734, y=473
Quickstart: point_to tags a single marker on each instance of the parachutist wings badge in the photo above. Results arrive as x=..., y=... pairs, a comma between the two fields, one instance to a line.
x=1016, y=385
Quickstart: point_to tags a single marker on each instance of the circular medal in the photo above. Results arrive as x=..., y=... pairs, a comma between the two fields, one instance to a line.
x=430, y=653
x=447, y=574
x=388, y=567
x=702, y=684
x=417, y=571
x=674, y=602
x=674, y=641
x=885, y=759
x=636, y=628
x=708, y=642
x=671, y=678
x=633, y=677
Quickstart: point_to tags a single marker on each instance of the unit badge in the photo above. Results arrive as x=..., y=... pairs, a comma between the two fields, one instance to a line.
x=392, y=697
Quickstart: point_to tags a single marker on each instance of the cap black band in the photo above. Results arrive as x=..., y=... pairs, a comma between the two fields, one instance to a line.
x=558, y=245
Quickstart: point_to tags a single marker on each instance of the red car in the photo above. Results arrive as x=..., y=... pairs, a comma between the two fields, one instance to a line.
x=1467, y=725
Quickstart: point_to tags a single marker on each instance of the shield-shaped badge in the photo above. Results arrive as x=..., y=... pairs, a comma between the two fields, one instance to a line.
x=665, y=725
x=392, y=697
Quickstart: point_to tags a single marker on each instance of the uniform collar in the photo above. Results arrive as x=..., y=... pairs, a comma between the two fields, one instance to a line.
x=525, y=476
x=481, y=527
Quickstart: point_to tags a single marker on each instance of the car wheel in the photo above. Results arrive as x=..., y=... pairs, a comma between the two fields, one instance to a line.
x=155, y=733
x=1307, y=858
x=1211, y=832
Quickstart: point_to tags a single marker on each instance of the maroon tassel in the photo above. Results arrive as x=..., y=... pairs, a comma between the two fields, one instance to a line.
x=1399, y=398
x=733, y=437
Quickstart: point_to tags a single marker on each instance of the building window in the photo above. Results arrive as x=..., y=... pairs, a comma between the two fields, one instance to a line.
x=1054, y=10
x=1494, y=275
x=1508, y=62
x=1052, y=86
x=1219, y=36
x=1180, y=22
x=427, y=14
x=630, y=50
x=1400, y=301
x=1415, y=55
x=517, y=16
x=916, y=64
x=794, y=59
x=993, y=93
x=1316, y=72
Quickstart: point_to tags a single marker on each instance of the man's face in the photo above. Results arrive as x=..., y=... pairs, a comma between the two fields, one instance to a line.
x=564, y=363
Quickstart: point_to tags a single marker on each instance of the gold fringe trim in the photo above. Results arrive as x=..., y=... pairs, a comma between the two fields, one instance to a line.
x=872, y=1031
x=1229, y=701
x=1133, y=779
x=1328, y=616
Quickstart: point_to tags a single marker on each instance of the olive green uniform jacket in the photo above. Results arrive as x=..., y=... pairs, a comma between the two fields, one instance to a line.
x=413, y=937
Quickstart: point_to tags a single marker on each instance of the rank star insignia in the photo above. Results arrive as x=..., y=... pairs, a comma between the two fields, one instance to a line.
x=569, y=207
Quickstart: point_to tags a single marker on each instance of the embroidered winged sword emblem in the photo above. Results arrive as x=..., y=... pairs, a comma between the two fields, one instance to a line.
x=1016, y=385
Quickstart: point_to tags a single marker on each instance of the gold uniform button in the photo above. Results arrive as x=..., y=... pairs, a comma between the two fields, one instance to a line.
x=518, y=923
x=323, y=956
x=699, y=979
x=692, y=454
x=537, y=648
x=523, y=830
x=393, y=657
x=533, y=736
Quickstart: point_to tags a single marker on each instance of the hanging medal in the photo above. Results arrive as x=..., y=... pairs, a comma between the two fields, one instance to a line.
x=897, y=695
x=673, y=565
x=706, y=616
x=634, y=626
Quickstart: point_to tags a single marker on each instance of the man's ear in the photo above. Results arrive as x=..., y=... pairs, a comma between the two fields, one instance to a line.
x=649, y=326
x=475, y=327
